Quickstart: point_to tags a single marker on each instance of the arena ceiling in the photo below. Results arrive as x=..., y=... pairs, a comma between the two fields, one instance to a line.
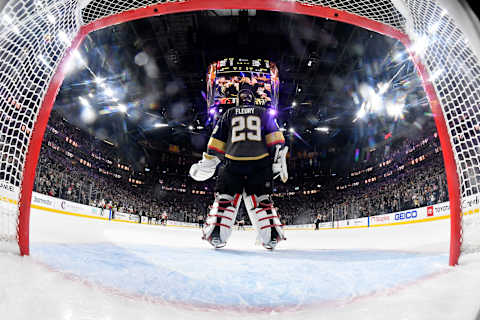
x=127, y=82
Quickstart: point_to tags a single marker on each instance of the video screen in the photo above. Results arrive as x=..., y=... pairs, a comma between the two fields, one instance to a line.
x=227, y=77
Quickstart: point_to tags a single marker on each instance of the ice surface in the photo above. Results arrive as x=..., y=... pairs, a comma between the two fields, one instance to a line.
x=87, y=269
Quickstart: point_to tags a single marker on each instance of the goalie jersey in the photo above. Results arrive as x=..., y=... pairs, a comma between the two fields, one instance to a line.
x=245, y=133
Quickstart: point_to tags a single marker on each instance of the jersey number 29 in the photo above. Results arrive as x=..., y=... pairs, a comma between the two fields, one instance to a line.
x=246, y=128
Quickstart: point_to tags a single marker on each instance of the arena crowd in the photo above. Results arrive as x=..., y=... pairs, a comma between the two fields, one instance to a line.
x=78, y=167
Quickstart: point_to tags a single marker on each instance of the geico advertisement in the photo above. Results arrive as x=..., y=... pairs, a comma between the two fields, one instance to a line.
x=407, y=215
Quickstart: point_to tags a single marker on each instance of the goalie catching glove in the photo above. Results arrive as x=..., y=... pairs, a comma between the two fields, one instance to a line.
x=279, y=166
x=205, y=168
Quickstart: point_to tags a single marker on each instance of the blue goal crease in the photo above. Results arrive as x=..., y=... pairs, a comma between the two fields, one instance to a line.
x=287, y=277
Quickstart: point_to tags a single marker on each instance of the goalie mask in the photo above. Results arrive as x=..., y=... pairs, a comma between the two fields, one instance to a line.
x=245, y=98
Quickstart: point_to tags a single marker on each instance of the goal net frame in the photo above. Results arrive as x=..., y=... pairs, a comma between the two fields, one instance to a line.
x=357, y=13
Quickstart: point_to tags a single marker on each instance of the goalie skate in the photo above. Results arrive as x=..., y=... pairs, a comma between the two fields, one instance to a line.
x=217, y=243
x=218, y=227
x=215, y=239
x=271, y=245
x=265, y=219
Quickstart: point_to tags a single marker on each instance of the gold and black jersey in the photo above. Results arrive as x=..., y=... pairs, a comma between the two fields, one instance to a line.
x=245, y=133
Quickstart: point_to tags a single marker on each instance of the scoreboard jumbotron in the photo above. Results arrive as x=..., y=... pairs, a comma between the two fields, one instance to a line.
x=228, y=76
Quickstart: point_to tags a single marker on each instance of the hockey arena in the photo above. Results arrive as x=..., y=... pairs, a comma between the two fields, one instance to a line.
x=255, y=159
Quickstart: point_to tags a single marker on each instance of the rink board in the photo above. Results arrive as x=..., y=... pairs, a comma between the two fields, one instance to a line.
x=471, y=206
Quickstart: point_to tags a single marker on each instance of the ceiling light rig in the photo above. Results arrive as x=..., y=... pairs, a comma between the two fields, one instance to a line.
x=322, y=129
x=122, y=108
x=84, y=101
x=160, y=125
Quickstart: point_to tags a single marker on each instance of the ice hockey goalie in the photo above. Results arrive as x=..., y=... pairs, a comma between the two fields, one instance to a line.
x=248, y=140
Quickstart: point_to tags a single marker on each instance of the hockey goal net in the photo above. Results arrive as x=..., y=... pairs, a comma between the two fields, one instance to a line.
x=37, y=38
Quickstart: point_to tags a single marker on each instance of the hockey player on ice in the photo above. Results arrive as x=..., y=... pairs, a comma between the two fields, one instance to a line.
x=248, y=139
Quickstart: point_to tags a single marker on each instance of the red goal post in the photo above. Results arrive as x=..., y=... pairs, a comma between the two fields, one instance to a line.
x=37, y=38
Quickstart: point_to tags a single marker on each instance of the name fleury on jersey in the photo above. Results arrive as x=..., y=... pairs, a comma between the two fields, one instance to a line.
x=245, y=133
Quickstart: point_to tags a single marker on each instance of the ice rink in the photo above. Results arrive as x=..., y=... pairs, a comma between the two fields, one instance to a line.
x=91, y=269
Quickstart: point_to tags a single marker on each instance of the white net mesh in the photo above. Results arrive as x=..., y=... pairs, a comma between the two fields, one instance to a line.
x=455, y=73
x=34, y=36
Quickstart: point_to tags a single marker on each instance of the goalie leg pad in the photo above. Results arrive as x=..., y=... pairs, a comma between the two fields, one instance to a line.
x=264, y=216
x=220, y=220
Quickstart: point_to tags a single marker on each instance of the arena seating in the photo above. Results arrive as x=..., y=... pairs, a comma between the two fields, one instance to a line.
x=76, y=166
